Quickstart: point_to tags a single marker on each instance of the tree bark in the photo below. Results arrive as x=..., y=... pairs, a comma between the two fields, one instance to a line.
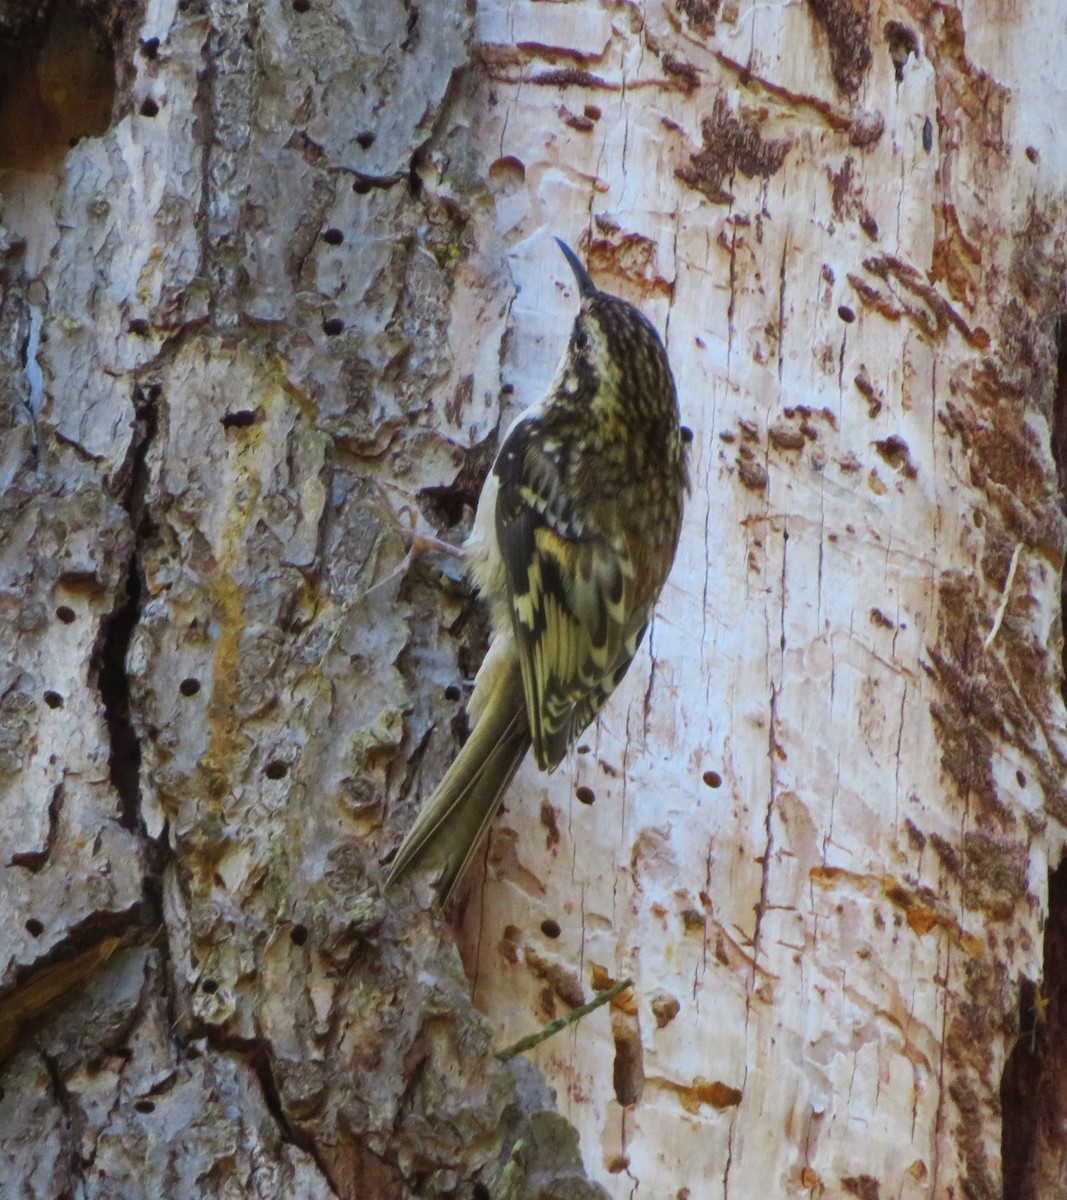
x=272, y=308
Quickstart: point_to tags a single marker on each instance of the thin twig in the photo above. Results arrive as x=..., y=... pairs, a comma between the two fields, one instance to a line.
x=1003, y=607
x=554, y=1027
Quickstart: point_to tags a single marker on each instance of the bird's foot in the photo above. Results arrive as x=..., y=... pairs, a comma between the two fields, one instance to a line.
x=418, y=542
x=403, y=525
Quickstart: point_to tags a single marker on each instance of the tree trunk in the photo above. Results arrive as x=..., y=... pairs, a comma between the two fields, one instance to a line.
x=270, y=310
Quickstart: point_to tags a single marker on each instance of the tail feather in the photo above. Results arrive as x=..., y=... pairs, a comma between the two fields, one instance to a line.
x=453, y=821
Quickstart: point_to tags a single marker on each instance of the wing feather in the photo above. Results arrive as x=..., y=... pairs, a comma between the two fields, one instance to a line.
x=571, y=594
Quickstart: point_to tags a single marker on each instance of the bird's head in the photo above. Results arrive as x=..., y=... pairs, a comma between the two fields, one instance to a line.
x=615, y=361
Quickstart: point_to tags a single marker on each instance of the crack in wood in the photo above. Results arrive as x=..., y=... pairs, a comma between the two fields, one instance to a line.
x=108, y=663
x=34, y=860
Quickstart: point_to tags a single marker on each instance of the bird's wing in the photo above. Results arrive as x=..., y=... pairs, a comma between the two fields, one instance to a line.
x=571, y=591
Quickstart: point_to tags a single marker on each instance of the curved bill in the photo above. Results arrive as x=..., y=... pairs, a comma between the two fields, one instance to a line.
x=586, y=287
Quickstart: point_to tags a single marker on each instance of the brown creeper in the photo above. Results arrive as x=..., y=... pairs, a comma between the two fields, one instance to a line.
x=575, y=532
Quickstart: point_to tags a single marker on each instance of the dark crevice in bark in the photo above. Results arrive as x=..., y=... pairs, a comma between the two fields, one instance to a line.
x=124, y=759
x=36, y=989
x=204, y=135
x=72, y=1177
x=34, y=860
x=1059, y=436
x=261, y=1064
x=256, y=1055
x=109, y=657
x=1018, y=1093
x=81, y=938
x=1033, y=1090
x=109, y=661
x=40, y=122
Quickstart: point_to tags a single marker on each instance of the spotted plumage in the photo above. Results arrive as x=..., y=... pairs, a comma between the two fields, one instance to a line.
x=574, y=535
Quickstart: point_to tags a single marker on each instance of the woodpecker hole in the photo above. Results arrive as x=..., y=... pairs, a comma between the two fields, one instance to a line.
x=210, y=986
x=584, y=795
x=53, y=699
x=145, y=1106
x=902, y=44
x=550, y=928
x=665, y=1008
x=628, y=1072
x=507, y=174
x=298, y=935
x=365, y=139
x=332, y=326
x=34, y=927
x=65, y=614
x=150, y=108
x=276, y=769
x=189, y=687
x=333, y=237
x=713, y=779
x=846, y=314
x=239, y=419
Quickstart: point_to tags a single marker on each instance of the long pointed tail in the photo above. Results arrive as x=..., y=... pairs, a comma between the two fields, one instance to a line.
x=452, y=822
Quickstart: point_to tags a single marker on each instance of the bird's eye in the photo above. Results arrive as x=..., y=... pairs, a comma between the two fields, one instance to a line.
x=581, y=339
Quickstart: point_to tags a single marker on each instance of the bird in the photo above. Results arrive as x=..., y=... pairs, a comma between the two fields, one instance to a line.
x=574, y=534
